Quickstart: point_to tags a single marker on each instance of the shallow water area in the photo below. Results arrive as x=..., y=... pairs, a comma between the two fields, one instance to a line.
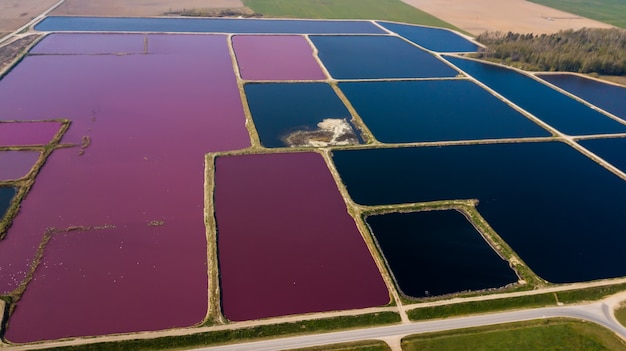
x=541, y=198
x=280, y=109
x=438, y=252
x=17, y=164
x=413, y=111
x=205, y=25
x=558, y=110
x=362, y=57
x=288, y=242
x=265, y=57
x=610, y=149
x=27, y=133
x=6, y=196
x=609, y=97
x=435, y=39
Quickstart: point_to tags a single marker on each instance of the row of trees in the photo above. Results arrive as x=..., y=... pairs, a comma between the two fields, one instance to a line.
x=587, y=50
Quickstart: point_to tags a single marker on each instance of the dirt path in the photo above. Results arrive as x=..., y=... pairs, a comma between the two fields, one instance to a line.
x=134, y=8
x=519, y=16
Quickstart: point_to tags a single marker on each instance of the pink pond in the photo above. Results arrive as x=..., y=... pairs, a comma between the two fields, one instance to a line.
x=286, y=242
x=16, y=164
x=71, y=44
x=149, y=120
x=284, y=57
x=27, y=133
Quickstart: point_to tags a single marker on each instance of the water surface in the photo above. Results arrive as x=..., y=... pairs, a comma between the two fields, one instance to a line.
x=435, y=39
x=29, y=133
x=558, y=110
x=541, y=198
x=411, y=111
x=279, y=109
x=611, y=150
x=205, y=25
x=438, y=252
x=265, y=57
x=17, y=164
x=354, y=57
x=286, y=243
x=6, y=195
x=609, y=97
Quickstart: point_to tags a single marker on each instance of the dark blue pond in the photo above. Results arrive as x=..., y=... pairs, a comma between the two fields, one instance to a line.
x=437, y=253
x=611, y=150
x=205, y=25
x=558, y=110
x=559, y=210
x=279, y=109
x=608, y=97
x=435, y=39
x=6, y=195
x=412, y=111
x=354, y=57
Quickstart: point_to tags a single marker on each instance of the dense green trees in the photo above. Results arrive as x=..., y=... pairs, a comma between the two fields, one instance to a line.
x=601, y=51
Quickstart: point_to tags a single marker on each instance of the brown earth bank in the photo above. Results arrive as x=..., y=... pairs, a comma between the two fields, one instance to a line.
x=517, y=16
x=136, y=8
x=16, y=13
x=10, y=52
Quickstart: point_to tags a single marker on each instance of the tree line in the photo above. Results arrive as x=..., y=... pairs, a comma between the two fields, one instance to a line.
x=587, y=50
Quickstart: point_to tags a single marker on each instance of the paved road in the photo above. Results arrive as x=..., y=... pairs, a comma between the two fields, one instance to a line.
x=597, y=312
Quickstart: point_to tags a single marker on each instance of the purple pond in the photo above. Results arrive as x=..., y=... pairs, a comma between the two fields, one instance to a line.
x=286, y=242
x=266, y=57
x=141, y=124
x=16, y=164
x=24, y=134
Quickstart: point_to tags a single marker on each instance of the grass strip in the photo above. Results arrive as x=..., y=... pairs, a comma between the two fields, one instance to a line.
x=368, y=345
x=473, y=307
x=546, y=335
x=607, y=11
x=620, y=314
x=245, y=334
x=391, y=10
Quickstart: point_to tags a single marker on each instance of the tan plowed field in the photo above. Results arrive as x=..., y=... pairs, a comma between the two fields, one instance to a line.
x=16, y=13
x=135, y=8
x=518, y=16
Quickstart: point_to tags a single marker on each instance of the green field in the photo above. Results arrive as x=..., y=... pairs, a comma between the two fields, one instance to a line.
x=620, y=314
x=544, y=335
x=391, y=10
x=607, y=11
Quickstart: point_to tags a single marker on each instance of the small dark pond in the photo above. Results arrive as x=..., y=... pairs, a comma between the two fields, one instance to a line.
x=6, y=195
x=282, y=109
x=205, y=25
x=611, y=150
x=559, y=210
x=558, y=110
x=435, y=39
x=354, y=57
x=437, y=253
x=412, y=111
x=611, y=98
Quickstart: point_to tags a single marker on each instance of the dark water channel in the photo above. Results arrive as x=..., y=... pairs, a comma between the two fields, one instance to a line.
x=559, y=210
x=438, y=252
x=6, y=195
x=435, y=39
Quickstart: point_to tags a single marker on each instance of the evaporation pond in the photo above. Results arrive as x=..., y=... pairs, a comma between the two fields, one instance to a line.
x=558, y=110
x=411, y=111
x=354, y=57
x=541, y=198
x=609, y=97
x=6, y=195
x=27, y=133
x=16, y=164
x=611, y=150
x=286, y=242
x=274, y=57
x=437, y=253
x=435, y=39
x=281, y=109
